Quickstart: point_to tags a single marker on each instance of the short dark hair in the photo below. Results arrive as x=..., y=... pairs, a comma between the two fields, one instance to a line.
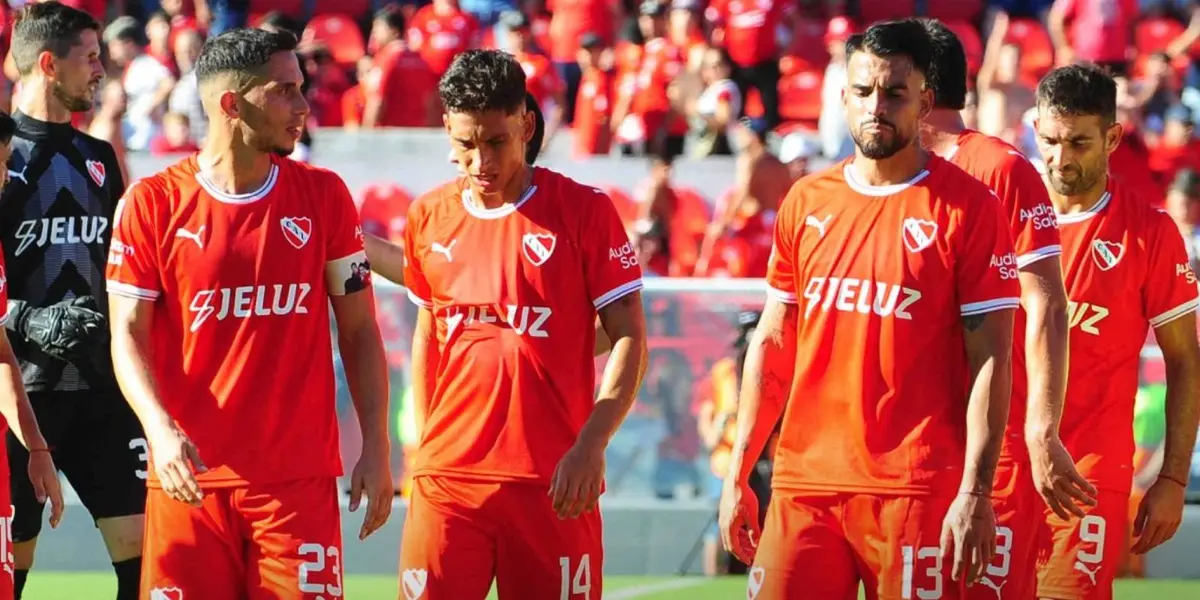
x=482, y=80
x=391, y=16
x=280, y=21
x=947, y=75
x=539, y=130
x=242, y=51
x=47, y=27
x=1082, y=89
x=895, y=38
x=8, y=127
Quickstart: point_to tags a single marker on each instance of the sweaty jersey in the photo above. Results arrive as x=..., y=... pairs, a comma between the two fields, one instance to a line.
x=1126, y=270
x=515, y=292
x=241, y=339
x=55, y=224
x=1024, y=200
x=883, y=277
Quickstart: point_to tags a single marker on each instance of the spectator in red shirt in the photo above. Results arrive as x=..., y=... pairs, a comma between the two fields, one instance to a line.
x=158, y=32
x=1100, y=31
x=401, y=89
x=541, y=78
x=685, y=31
x=354, y=101
x=441, y=30
x=748, y=30
x=176, y=136
x=569, y=21
x=649, y=115
x=1177, y=148
x=597, y=93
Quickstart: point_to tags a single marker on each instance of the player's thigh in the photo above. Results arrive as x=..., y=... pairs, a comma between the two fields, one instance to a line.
x=448, y=550
x=54, y=418
x=196, y=551
x=106, y=455
x=1078, y=559
x=897, y=539
x=1019, y=509
x=542, y=557
x=803, y=552
x=7, y=563
x=295, y=550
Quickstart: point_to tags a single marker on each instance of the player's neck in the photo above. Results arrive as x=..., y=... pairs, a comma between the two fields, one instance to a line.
x=511, y=194
x=38, y=102
x=897, y=168
x=1082, y=202
x=232, y=167
x=940, y=130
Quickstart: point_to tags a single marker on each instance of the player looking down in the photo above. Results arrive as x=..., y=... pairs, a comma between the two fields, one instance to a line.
x=1126, y=271
x=221, y=272
x=511, y=265
x=883, y=267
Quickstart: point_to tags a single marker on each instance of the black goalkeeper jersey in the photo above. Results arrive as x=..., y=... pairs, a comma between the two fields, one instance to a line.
x=56, y=221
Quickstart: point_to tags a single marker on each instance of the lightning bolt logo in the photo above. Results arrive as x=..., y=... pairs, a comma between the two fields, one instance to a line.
x=202, y=306
x=26, y=234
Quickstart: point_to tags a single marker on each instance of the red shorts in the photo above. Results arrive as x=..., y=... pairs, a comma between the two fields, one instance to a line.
x=279, y=541
x=1079, y=559
x=459, y=535
x=6, y=530
x=1019, y=510
x=823, y=546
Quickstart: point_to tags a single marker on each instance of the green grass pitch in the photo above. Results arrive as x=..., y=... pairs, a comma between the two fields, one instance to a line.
x=45, y=585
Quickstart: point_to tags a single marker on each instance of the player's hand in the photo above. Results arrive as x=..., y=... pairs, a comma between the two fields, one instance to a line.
x=66, y=330
x=372, y=477
x=46, y=487
x=176, y=461
x=1061, y=486
x=968, y=537
x=575, y=485
x=1158, y=515
x=738, y=520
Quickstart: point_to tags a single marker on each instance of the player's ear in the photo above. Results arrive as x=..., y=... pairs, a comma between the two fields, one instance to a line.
x=45, y=63
x=1112, y=137
x=228, y=101
x=926, y=101
x=528, y=125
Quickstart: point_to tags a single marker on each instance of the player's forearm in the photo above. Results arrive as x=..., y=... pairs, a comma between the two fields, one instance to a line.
x=988, y=341
x=1182, y=415
x=1046, y=355
x=386, y=258
x=131, y=366
x=766, y=384
x=425, y=358
x=14, y=403
x=366, y=374
x=618, y=388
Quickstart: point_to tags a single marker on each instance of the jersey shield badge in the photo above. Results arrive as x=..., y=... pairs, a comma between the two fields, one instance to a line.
x=538, y=247
x=296, y=230
x=1107, y=254
x=918, y=234
x=95, y=168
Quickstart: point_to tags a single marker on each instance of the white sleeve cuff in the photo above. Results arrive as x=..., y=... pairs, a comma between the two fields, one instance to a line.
x=617, y=293
x=419, y=301
x=1033, y=256
x=1175, y=313
x=130, y=291
x=782, y=296
x=987, y=306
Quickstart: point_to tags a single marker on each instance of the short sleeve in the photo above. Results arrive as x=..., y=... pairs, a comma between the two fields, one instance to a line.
x=346, y=267
x=133, y=269
x=414, y=277
x=1031, y=216
x=986, y=266
x=1170, y=290
x=611, y=268
x=3, y=291
x=781, y=266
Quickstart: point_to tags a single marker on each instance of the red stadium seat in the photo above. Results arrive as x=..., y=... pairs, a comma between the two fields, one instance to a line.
x=338, y=33
x=870, y=11
x=350, y=8
x=972, y=43
x=808, y=49
x=800, y=97
x=626, y=206
x=954, y=10
x=383, y=210
x=1153, y=35
x=292, y=8
x=1037, y=51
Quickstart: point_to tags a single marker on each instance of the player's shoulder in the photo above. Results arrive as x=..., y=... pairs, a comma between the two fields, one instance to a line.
x=164, y=185
x=954, y=186
x=305, y=176
x=831, y=179
x=97, y=145
x=990, y=153
x=443, y=199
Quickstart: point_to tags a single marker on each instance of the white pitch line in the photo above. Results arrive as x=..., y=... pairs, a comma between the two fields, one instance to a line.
x=638, y=591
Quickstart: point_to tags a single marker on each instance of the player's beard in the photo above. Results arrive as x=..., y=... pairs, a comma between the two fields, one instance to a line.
x=80, y=103
x=878, y=146
x=1086, y=179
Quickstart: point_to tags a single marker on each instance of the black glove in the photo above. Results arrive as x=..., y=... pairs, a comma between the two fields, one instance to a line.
x=66, y=331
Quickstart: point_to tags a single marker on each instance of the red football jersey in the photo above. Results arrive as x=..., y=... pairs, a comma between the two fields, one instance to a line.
x=241, y=346
x=1126, y=270
x=515, y=291
x=883, y=276
x=1024, y=199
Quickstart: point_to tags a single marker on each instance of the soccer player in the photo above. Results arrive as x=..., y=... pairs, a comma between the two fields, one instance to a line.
x=1032, y=459
x=511, y=265
x=220, y=276
x=890, y=301
x=1126, y=271
x=19, y=419
x=56, y=221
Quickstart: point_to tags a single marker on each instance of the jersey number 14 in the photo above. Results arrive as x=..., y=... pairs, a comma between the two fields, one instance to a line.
x=579, y=585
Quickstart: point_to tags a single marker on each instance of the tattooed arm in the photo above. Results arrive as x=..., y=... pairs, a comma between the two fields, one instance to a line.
x=766, y=383
x=988, y=339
